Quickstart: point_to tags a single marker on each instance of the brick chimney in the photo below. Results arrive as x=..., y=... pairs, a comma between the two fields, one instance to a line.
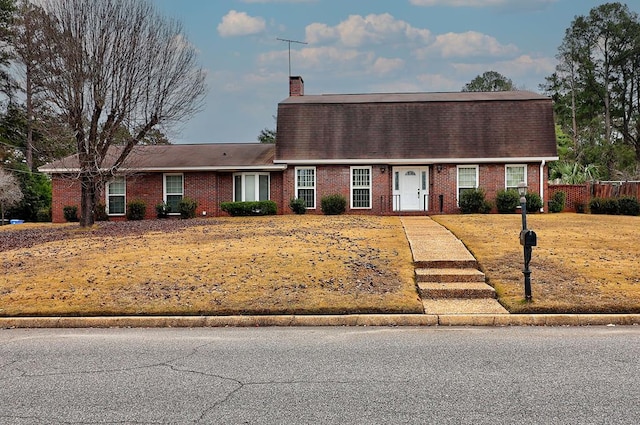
x=296, y=86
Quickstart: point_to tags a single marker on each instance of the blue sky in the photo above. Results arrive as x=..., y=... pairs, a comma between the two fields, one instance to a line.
x=358, y=46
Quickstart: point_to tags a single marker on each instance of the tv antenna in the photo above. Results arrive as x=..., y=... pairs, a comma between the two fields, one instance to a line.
x=289, y=42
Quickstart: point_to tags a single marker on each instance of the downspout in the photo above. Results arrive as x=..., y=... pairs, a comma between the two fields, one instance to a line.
x=542, y=183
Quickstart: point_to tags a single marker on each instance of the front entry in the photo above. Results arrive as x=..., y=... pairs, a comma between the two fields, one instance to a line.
x=410, y=188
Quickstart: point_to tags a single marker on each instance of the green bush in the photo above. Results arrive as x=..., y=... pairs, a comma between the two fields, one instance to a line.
x=473, y=201
x=507, y=201
x=100, y=212
x=629, y=205
x=333, y=204
x=70, y=213
x=580, y=207
x=534, y=202
x=556, y=203
x=253, y=208
x=44, y=215
x=136, y=210
x=298, y=205
x=162, y=210
x=187, y=208
x=604, y=206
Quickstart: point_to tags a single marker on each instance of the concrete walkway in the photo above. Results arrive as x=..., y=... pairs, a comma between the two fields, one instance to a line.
x=447, y=275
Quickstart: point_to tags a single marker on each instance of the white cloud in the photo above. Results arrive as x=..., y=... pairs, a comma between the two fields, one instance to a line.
x=383, y=66
x=510, y=4
x=358, y=30
x=467, y=44
x=239, y=23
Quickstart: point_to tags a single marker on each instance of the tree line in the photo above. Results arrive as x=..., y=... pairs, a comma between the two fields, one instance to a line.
x=97, y=78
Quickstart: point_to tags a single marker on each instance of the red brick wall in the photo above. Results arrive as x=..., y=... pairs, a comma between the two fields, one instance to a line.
x=209, y=189
x=65, y=191
x=575, y=194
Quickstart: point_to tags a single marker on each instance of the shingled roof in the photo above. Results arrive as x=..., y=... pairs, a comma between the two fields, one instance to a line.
x=416, y=127
x=200, y=157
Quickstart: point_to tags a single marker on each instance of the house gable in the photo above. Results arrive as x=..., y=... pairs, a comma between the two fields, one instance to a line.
x=416, y=127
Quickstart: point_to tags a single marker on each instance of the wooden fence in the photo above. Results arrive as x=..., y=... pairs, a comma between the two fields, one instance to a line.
x=580, y=194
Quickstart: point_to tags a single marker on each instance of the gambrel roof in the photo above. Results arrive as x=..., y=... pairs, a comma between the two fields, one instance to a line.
x=397, y=128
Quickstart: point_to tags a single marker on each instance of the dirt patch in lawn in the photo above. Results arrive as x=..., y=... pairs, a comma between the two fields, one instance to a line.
x=258, y=265
x=582, y=264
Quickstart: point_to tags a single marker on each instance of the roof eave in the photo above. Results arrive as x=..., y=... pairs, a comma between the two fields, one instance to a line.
x=404, y=161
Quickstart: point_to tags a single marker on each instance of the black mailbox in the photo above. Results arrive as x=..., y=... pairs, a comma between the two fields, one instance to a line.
x=528, y=238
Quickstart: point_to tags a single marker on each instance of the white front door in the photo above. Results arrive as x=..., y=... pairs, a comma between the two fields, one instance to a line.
x=410, y=188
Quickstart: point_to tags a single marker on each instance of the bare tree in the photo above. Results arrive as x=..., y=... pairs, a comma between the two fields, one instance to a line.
x=109, y=64
x=10, y=193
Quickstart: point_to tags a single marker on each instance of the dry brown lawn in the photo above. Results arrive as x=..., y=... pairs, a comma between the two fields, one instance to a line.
x=258, y=265
x=583, y=263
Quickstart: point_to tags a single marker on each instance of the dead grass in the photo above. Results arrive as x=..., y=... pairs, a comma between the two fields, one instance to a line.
x=271, y=265
x=583, y=263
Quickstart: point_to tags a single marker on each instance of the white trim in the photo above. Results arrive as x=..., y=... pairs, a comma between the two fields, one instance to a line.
x=243, y=177
x=458, y=167
x=513, y=166
x=172, y=169
x=414, y=161
x=164, y=189
x=542, y=184
x=369, y=187
x=107, y=195
x=314, y=187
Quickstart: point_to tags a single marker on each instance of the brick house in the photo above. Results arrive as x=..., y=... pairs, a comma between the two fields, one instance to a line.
x=399, y=153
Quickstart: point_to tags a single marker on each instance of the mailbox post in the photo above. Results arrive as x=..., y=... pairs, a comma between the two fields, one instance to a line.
x=528, y=239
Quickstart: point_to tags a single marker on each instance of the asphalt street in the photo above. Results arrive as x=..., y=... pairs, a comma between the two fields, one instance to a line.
x=324, y=375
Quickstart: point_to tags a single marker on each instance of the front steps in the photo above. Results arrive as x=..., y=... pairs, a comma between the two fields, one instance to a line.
x=446, y=273
x=463, y=290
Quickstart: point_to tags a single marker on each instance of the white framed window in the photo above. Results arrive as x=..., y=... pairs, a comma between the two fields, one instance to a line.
x=251, y=187
x=306, y=185
x=514, y=174
x=360, y=187
x=173, y=189
x=116, y=192
x=467, y=178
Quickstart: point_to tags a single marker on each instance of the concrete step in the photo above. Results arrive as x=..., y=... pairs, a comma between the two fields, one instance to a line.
x=446, y=264
x=455, y=290
x=463, y=306
x=449, y=275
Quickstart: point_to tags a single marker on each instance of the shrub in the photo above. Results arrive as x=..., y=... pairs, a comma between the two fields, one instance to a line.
x=473, y=201
x=507, y=201
x=298, y=205
x=187, y=208
x=534, y=202
x=580, y=207
x=100, y=212
x=556, y=203
x=136, y=210
x=44, y=215
x=162, y=210
x=604, y=206
x=629, y=205
x=333, y=204
x=253, y=208
x=70, y=212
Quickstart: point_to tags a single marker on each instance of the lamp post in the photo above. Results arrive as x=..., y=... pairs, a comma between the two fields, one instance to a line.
x=527, y=240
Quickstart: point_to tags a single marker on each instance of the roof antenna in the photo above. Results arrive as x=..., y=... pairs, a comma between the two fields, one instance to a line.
x=289, y=42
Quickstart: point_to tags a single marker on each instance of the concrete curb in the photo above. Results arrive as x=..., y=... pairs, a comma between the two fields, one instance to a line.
x=328, y=320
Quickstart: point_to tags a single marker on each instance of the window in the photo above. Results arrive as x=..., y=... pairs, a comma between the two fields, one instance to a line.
x=514, y=174
x=250, y=187
x=173, y=191
x=306, y=185
x=467, y=178
x=116, y=192
x=360, y=187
